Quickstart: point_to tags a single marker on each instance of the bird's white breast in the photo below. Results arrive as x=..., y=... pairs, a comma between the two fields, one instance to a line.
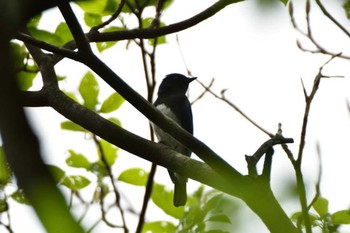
x=161, y=135
x=166, y=111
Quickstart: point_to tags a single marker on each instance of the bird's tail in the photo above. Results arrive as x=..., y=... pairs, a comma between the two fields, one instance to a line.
x=180, y=193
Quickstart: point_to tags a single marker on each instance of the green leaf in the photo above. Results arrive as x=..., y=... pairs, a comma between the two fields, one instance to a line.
x=115, y=121
x=111, y=6
x=89, y=90
x=219, y=218
x=77, y=160
x=3, y=205
x=163, y=198
x=100, y=192
x=341, y=217
x=135, y=176
x=56, y=172
x=75, y=182
x=34, y=21
x=20, y=197
x=93, y=6
x=99, y=169
x=25, y=80
x=46, y=36
x=101, y=46
x=109, y=152
x=321, y=206
x=297, y=217
x=158, y=226
x=92, y=20
x=147, y=22
x=284, y=2
x=20, y=54
x=346, y=6
x=63, y=32
x=69, y=125
x=71, y=95
x=112, y=103
x=5, y=173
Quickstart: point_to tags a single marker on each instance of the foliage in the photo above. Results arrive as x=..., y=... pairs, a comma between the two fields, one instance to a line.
x=328, y=222
x=206, y=210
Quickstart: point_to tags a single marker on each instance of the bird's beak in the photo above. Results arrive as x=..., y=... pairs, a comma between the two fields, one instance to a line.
x=191, y=79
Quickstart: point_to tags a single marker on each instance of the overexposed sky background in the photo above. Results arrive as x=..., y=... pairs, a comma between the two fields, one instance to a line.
x=254, y=55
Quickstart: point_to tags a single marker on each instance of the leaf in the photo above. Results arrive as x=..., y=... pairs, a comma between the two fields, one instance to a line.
x=284, y=2
x=34, y=21
x=3, y=205
x=158, y=226
x=101, y=46
x=135, y=176
x=321, y=206
x=89, y=90
x=5, y=173
x=99, y=169
x=77, y=160
x=63, y=32
x=164, y=200
x=341, y=217
x=92, y=6
x=109, y=152
x=92, y=20
x=25, y=80
x=297, y=217
x=20, y=54
x=147, y=22
x=20, y=197
x=112, y=103
x=75, y=182
x=71, y=95
x=46, y=36
x=115, y=121
x=219, y=218
x=56, y=172
x=346, y=6
x=111, y=6
x=69, y=125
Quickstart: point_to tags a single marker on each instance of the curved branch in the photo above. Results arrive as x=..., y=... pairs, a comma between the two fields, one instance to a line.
x=147, y=33
x=156, y=32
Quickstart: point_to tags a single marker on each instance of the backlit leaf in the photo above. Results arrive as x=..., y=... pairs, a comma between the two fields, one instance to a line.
x=135, y=176
x=75, y=182
x=77, y=160
x=89, y=90
x=163, y=198
x=112, y=103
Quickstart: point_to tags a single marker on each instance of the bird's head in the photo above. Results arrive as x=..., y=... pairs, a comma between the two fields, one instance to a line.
x=174, y=84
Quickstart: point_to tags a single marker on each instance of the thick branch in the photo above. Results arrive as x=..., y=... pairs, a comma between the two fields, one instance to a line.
x=156, y=32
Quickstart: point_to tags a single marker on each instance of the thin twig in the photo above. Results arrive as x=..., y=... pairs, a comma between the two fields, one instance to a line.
x=151, y=83
x=115, y=190
x=326, y=13
x=111, y=19
x=297, y=164
x=308, y=34
x=225, y=100
x=319, y=177
x=204, y=92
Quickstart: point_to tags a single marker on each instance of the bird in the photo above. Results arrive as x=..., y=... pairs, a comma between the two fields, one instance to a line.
x=173, y=103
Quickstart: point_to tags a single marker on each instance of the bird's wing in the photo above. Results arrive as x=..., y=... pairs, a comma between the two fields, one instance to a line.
x=181, y=108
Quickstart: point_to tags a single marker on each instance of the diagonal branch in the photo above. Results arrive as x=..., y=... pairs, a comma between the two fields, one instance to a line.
x=146, y=108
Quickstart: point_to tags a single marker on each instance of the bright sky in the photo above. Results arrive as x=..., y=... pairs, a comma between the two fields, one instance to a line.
x=254, y=56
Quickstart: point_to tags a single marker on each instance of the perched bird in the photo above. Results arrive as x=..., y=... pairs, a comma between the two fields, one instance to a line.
x=173, y=102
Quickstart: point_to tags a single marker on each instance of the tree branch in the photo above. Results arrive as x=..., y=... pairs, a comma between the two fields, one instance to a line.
x=156, y=32
x=20, y=143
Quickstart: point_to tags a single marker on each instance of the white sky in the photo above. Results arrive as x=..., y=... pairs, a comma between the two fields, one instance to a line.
x=254, y=56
